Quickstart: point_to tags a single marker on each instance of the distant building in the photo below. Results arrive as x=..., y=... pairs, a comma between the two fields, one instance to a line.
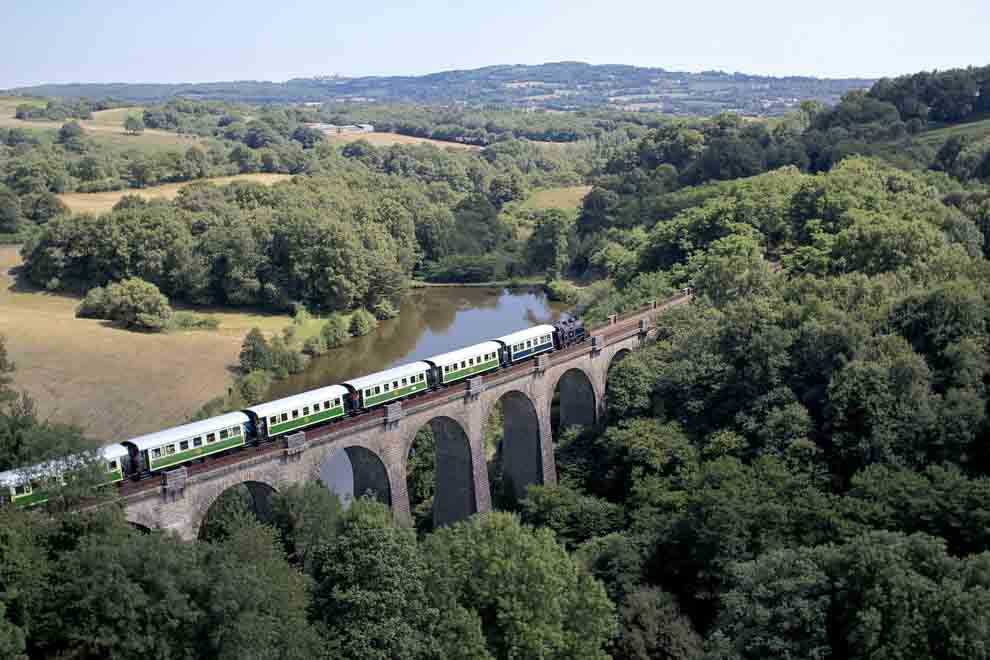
x=342, y=129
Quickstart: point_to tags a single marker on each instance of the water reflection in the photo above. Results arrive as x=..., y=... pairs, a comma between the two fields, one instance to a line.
x=432, y=321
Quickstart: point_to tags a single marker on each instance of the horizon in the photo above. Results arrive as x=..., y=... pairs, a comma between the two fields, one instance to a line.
x=181, y=43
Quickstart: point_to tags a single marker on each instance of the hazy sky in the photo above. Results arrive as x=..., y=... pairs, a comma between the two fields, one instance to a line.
x=207, y=40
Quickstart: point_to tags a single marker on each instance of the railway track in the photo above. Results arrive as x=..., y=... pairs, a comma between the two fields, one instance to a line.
x=619, y=326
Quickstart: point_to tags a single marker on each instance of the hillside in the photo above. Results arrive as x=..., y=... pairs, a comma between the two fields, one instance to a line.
x=553, y=86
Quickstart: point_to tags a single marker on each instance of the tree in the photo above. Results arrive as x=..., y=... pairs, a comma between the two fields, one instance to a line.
x=370, y=589
x=255, y=353
x=548, y=244
x=135, y=303
x=363, y=322
x=335, y=331
x=7, y=367
x=69, y=132
x=653, y=628
x=523, y=590
x=10, y=210
x=134, y=125
x=307, y=516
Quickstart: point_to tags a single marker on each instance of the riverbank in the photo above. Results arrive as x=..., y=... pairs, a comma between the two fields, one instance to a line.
x=515, y=283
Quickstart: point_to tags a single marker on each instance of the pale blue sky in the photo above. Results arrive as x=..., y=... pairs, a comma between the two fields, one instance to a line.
x=208, y=40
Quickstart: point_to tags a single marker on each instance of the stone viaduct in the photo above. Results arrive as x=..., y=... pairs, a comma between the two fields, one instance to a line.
x=378, y=443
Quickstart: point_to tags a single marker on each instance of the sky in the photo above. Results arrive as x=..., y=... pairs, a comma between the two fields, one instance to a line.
x=213, y=40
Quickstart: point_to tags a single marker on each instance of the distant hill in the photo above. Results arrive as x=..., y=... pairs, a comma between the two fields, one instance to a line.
x=553, y=86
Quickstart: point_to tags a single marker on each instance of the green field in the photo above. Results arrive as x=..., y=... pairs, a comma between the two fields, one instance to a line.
x=973, y=129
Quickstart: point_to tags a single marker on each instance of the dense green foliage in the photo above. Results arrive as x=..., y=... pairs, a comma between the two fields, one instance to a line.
x=133, y=302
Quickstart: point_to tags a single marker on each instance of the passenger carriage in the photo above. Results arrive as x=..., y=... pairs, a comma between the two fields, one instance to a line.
x=526, y=343
x=32, y=486
x=174, y=446
x=466, y=362
x=387, y=386
x=292, y=413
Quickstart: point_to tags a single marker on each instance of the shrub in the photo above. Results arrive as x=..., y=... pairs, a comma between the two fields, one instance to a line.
x=134, y=303
x=315, y=345
x=190, y=321
x=384, y=309
x=562, y=291
x=362, y=323
x=335, y=331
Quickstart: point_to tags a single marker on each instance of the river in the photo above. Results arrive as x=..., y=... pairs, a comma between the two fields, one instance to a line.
x=431, y=321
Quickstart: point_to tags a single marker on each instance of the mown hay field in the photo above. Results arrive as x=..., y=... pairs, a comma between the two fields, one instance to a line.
x=379, y=139
x=112, y=382
x=566, y=198
x=103, y=202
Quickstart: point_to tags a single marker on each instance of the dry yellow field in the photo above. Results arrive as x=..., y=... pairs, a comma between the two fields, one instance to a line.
x=112, y=382
x=387, y=139
x=103, y=202
x=565, y=199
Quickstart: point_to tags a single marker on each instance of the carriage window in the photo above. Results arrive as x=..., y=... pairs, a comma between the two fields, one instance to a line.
x=285, y=417
x=463, y=364
x=211, y=438
x=156, y=453
x=295, y=414
x=184, y=445
x=316, y=407
x=22, y=490
x=405, y=381
x=368, y=392
x=378, y=390
x=235, y=431
x=224, y=434
x=395, y=385
x=170, y=450
x=112, y=465
x=197, y=442
x=336, y=401
x=470, y=362
x=305, y=410
x=385, y=386
x=273, y=419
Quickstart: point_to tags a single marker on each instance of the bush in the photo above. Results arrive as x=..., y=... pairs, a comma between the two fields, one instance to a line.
x=562, y=291
x=384, y=309
x=335, y=331
x=190, y=321
x=363, y=323
x=315, y=345
x=135, y=303
x=254, y=386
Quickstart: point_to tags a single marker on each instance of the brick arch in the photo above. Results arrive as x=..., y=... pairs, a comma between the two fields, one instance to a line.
x=520, y=456
x=369, y=473
x=455, y=495
x=579, y=398
x=208, y=494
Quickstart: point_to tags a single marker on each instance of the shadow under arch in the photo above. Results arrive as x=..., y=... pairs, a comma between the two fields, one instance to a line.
x=254, y=496
x=356, y=471
x=574, y=402
x=518, y=460
x=454, y=496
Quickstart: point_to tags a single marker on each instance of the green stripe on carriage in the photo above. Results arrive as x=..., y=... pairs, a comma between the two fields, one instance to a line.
x=394, y=394
x=469, y=371
x=300, y=422
x=196, y=452
x=35, y=497
x=114, y=476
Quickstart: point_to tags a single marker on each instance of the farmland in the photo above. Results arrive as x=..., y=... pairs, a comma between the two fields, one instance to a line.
x=567, y=198
x=106, y=126
x=387, y=139
x=103, y=202
x=135, y=382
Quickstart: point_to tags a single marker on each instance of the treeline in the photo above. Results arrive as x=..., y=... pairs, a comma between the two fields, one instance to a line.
x=62, y=110
x=315, y=581
x=349, y=235
x=483, y=127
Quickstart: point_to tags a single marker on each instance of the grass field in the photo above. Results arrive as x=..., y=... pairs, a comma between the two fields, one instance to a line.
x=103, y=202
x=106, y=126
x=387, y=139
x=973, y=129
x=112, y=382
x=565, y=199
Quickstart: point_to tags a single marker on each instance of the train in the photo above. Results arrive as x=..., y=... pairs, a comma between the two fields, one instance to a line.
x=146, y=455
